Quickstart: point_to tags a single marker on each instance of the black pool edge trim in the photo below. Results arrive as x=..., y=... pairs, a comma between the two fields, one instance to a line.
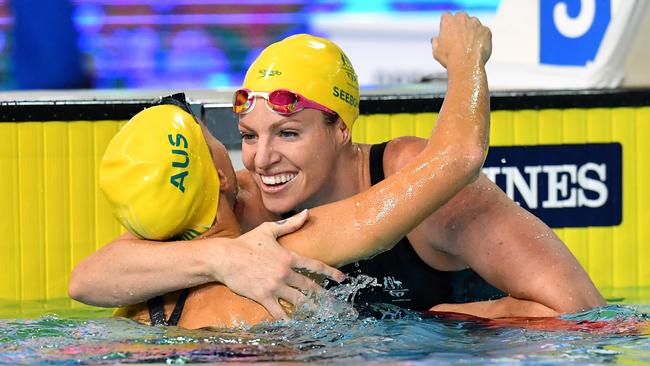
x=95, y=110
x=112, y=110
x=513, y=101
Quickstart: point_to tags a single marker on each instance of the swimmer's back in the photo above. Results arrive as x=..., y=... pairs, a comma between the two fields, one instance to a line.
x=207, y=305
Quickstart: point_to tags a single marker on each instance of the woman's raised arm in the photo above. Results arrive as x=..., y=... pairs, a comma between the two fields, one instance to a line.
x=373, y=221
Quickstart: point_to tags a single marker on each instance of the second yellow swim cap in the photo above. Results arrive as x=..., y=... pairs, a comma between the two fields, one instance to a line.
x=312, y=66
x=158, y=174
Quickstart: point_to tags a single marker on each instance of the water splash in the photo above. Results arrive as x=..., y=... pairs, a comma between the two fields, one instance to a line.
x=378, y=334
x=335, y=304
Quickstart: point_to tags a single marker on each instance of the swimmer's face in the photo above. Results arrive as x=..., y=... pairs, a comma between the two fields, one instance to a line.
x=290, y=157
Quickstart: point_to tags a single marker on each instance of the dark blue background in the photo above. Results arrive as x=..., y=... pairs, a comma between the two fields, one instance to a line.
x=609, y=214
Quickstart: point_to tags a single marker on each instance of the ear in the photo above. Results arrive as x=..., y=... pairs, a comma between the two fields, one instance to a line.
x=221, y=175
x=227, y=188
x=343, y=131
x=223, y=181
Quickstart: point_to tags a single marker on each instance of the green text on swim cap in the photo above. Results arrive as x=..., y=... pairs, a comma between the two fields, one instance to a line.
x=178, y=179
x=345, y=96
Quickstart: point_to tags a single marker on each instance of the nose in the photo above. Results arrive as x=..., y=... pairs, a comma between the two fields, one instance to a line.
x=265, y=153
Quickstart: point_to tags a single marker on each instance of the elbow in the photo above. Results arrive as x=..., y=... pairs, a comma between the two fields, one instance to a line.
x=80, y=289
x=75, y=289
x=588, y=302
x=470, y=163
x=476, y=159
x=577, y=301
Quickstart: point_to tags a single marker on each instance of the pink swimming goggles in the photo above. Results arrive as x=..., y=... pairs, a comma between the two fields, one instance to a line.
x=280, y=101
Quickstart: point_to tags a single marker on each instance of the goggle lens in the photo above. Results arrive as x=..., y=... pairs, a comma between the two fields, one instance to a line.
x=242, y=101
x=283, y=101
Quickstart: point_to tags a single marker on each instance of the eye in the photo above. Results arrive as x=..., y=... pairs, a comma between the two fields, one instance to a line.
x=247, y=136
x=288, y=134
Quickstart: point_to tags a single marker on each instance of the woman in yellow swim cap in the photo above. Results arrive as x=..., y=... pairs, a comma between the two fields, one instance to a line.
x=305, y=159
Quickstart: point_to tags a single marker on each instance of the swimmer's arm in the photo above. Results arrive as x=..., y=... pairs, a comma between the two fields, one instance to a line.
x=373, y=221
x=510, y=248
x=506, y=307
x=129, y=270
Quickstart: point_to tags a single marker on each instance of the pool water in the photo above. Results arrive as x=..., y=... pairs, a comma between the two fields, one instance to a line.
x=337, y=332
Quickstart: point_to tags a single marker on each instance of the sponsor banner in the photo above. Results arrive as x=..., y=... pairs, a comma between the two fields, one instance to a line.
x=573, y=185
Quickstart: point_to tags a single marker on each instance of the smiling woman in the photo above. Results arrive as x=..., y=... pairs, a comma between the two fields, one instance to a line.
x=328, y=167
x=301, y=146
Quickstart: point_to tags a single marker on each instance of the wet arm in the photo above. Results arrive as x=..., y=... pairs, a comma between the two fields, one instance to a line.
x=511, y=249
x=129, y=270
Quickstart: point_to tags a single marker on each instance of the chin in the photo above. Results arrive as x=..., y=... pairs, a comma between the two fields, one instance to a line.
x=279, y=206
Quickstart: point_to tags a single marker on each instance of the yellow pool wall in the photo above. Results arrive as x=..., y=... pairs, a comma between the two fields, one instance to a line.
x=55, y=215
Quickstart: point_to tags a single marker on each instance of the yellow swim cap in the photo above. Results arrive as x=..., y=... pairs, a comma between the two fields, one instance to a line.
x=312, y=66
x=158, y=174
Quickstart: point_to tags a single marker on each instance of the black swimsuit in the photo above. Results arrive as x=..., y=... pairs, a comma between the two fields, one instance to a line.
x=408, y=281
x=404, y=278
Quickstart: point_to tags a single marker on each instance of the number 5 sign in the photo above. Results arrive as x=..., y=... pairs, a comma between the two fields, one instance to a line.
x=571, y=31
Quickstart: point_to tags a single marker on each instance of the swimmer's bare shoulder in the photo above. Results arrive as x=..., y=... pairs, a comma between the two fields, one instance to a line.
x=400, y=151
x=140, y=312
x=435, y=239
x=210, y=304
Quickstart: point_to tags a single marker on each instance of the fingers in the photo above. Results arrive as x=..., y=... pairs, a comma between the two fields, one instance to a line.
x=435, y=52
x=319, y=267
x=284, y=297
x=445, y=18
x=274, y=308
x=292, y=295
x=461, y=37
x=289, y=225
x=303, y=283
x=434, y=44
x=488, y=43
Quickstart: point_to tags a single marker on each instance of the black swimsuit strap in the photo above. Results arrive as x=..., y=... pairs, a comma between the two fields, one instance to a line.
x=157, y=310
x=377, y=162
x=178, y=309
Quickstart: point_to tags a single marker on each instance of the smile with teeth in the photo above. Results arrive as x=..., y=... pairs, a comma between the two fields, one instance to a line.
x=273, y=180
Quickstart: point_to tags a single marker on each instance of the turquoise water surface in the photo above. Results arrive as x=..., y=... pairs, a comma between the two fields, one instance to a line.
x=381, y=334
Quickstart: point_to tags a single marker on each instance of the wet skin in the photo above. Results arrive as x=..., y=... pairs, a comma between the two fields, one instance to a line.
x=360, y=225
x=479, y=227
